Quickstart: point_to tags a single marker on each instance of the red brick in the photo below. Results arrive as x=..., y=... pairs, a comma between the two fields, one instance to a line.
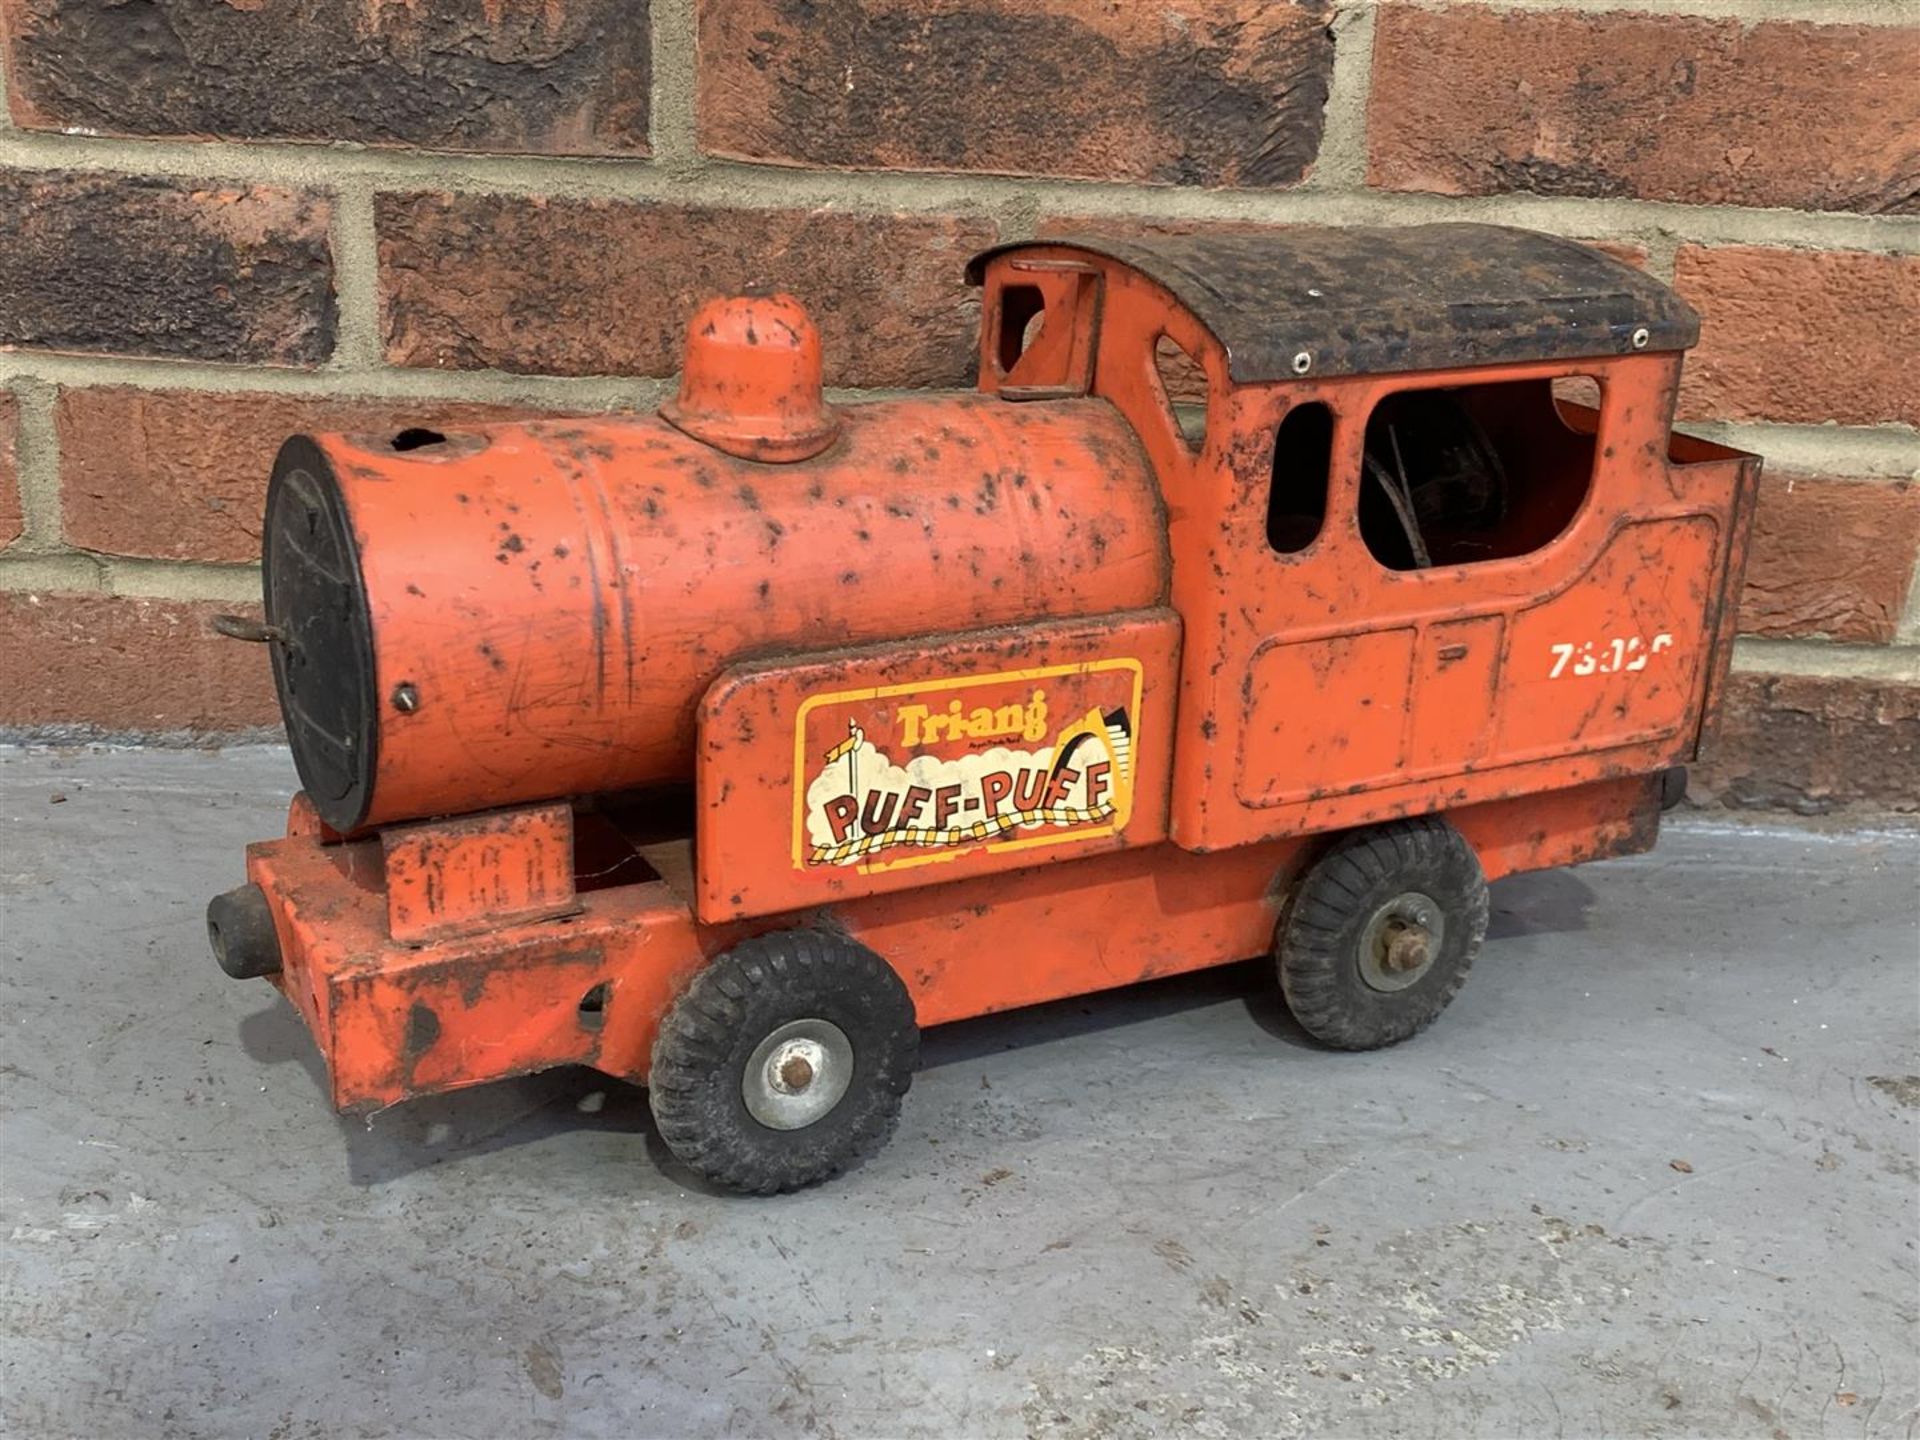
x=98, y=663
x=10, y=520
x=182, y=270
x=1185, y=92
x=1815, y=746
x=182, y=474
x=581, y=287
x=1831, y=558
x=557, y=77
x=1801, y=335
x=1472, y=101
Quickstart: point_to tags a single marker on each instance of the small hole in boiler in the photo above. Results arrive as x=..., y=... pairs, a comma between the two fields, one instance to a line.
x=417, y=439
x=593, y=1006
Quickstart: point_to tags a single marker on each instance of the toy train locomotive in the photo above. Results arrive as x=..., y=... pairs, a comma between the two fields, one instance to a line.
x=1271, y=593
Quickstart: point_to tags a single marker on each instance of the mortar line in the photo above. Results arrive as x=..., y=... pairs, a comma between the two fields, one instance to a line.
x=737, y=185
x=356, y=277
x=673, y=105
x=138, y=577
x=37, y=462
x=344, y=382
x=70, y=573
x=1906, y=630
x=1018, y=218
x=1662, y=246
x=1341, y=163
x=1889, y=14
x=131, y=577
x=1755, y=655
x=1867, y=452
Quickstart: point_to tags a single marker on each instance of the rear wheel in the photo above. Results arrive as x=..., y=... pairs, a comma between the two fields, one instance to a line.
x=784, y=1060
x=1381, y=933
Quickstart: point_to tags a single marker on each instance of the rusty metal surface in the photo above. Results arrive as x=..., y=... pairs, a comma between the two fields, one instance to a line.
x=546, y=603
x=470, y=873
x=399, y=1016
x=750, y=385
x=1322, y=689
x=1361, y=300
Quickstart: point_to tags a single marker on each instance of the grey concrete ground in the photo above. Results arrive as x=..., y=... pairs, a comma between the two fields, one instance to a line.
x=1654, y=1174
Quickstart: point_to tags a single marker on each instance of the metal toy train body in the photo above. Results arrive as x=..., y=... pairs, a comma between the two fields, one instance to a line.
x=1270, y=594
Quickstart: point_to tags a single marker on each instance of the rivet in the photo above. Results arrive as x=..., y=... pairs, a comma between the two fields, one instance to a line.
x=1303, y=362
x=1640, y=338
x=406, y=699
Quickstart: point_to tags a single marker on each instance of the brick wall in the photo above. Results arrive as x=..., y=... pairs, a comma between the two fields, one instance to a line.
x=223, y=221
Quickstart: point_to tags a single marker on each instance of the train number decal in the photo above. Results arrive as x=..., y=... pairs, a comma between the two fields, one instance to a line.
x=908, y=774
x=1620, y=653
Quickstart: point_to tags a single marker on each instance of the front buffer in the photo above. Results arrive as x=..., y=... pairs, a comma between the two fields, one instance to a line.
x=437, y=956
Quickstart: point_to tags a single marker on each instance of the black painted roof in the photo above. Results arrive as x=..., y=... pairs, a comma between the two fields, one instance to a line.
x=1375, y=300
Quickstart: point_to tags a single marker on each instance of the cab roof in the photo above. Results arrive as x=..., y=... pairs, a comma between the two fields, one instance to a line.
x=1375, y=300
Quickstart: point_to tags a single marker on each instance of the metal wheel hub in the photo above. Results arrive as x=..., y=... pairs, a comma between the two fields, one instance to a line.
x=797, y=1074
x=1401, y=940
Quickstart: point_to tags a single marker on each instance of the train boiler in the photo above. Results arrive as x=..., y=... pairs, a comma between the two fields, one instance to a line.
x=1269, y=594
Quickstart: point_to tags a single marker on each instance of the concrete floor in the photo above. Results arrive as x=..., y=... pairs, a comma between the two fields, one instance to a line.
x=1653, y=1174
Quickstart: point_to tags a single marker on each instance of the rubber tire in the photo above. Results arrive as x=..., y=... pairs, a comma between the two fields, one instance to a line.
x=1317, y=947
x=1673, y=787
x=739, y=999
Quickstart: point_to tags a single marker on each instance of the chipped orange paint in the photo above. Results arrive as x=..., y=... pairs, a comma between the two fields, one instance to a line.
x=750, y=386
x=559, y=594
x=582, y=607
x=395, y=1021
x=1387, y=737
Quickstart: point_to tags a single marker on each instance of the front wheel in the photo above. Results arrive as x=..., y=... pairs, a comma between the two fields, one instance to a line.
x=1381, y=933
x=783, y=1061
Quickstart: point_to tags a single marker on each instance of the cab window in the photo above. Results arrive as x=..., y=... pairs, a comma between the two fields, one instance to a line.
x=1302, y=465
x=1465, y=474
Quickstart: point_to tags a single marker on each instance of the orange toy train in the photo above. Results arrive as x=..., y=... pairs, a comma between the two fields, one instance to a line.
x=1270, y=594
